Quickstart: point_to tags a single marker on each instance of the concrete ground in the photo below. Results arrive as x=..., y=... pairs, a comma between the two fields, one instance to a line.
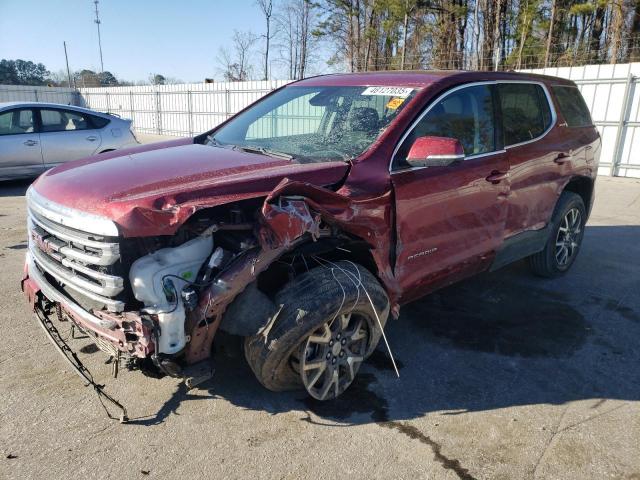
x=505, y=376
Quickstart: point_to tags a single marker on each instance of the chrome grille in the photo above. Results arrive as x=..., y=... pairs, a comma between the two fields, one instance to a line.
x=78, y=260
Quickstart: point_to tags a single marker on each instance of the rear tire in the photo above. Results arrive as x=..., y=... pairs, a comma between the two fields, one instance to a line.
x=565, y=238
x=311, y=304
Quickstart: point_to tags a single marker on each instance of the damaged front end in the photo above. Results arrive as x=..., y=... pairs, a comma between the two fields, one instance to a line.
x=160, y=298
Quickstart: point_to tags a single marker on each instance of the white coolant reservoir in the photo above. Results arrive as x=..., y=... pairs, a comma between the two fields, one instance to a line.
x=148, y=275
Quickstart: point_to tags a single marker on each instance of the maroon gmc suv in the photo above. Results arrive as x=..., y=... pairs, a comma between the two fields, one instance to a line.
x=306, y=219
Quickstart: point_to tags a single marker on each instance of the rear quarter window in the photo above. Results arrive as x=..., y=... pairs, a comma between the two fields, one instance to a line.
x=98, y=122
x=572, y=106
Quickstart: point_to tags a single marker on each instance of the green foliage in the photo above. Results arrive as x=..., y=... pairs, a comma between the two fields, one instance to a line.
x=107, y=79
x=22, y=72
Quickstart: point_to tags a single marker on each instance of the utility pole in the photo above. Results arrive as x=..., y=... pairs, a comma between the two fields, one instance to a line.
x=97, y=22
x=66, y=58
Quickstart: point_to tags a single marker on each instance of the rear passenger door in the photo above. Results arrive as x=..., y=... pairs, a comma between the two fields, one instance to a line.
x=527, y=118
x=450, y=219
x=67, y=135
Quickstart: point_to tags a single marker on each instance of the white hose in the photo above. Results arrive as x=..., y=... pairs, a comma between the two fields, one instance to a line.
x=351, y=276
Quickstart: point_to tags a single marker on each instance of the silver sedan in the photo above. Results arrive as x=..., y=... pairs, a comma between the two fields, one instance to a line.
x=37, y=136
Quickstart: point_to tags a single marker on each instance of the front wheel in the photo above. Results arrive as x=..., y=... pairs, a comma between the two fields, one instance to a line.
x=565, y=238
x=325, y=329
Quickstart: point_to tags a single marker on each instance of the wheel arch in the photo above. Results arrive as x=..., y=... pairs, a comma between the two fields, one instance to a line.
x=583, y=186
x=252, y=308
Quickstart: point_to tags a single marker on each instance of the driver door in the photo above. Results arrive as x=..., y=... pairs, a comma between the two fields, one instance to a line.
x=451, y=219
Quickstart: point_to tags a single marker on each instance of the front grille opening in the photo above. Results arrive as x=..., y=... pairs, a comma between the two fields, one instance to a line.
x=81, y=264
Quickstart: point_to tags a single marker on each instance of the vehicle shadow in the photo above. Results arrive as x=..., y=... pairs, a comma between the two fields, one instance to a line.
x=15, y=188
x=498, y=340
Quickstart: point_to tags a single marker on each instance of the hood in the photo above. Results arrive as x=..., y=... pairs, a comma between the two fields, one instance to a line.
x=152, y=190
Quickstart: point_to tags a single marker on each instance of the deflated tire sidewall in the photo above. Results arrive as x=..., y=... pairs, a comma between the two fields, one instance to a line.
x=306, y=303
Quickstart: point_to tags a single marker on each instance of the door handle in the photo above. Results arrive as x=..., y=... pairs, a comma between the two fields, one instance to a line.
x=30, y=143
x=562, y=157
x=497, y=177
x=92, y=138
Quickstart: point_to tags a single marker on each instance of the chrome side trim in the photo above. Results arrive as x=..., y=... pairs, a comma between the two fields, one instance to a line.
x=55, y=296
x=80, y=285
x=70, y=217
x=467, y=85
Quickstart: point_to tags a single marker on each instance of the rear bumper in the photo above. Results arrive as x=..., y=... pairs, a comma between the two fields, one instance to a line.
x=125, y=332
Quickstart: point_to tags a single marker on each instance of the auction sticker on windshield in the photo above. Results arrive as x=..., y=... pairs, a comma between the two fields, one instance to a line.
x=402, y=92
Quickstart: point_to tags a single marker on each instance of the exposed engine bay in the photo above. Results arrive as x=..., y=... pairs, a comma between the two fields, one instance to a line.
x=181, y=285
x=168, y=280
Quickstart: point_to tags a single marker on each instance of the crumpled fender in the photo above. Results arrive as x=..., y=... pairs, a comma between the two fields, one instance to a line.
x=292, y=210
x=370, y=219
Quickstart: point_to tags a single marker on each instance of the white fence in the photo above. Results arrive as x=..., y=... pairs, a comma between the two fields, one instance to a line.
x=183, y=110
x=19, y=93
x=613, y=99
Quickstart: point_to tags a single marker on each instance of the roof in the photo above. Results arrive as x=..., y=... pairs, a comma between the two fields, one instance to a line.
x=4, y=105
x=416, y=78
x=388, y=78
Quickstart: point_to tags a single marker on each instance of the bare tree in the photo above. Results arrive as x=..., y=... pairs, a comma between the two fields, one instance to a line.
x=387, y=34
x=295, y=24
x=235, y=63
x=267, y=10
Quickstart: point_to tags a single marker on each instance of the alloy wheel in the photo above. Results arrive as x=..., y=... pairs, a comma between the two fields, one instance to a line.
x=568, y=238
x=331, y=356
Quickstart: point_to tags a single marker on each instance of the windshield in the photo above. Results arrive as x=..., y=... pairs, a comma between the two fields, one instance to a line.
x=315, y=124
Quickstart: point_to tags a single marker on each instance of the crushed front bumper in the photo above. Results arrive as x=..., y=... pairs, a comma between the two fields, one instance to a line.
x=37, y=289
x=125, y=332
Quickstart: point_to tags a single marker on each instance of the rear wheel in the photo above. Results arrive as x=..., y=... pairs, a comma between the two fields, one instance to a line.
x=325, y=329
x=565, y=238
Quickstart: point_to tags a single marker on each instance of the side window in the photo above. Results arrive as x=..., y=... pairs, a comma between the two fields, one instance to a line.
x=466, y=115
x=525, y=112
x=572, y=105
x=98, y=122
x=63, y=120
x=16, y=122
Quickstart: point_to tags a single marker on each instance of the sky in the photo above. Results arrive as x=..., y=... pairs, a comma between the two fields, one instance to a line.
x=179, y=39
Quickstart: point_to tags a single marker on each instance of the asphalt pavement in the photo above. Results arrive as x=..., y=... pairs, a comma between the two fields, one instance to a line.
x=504, y=376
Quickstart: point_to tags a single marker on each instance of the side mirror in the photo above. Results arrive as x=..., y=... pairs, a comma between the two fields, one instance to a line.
x=435, y=152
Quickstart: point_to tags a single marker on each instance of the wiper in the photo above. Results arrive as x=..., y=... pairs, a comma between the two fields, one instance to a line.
x=265, y=151
x=212, y=141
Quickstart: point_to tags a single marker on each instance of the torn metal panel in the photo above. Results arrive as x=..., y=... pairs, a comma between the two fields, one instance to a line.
x=291, y=211
x=288, y=219
x=369, y=218
x=203, y=322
